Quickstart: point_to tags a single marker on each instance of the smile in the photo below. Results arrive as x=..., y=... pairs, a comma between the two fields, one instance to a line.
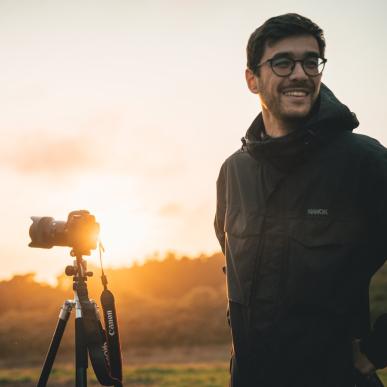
x=296, y=93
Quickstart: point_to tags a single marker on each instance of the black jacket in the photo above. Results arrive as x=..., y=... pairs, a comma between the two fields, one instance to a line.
x=302, y=221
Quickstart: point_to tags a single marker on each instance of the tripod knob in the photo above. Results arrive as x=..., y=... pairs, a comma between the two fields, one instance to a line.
x=70, y=271
x=89, y=274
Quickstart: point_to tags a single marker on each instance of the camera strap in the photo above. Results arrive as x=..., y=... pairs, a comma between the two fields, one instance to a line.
x=111, y=323
x=112, y=333
x=97, y=345
x=103, y=344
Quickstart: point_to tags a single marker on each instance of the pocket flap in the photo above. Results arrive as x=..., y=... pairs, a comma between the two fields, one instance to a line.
x=319, y=233
x=242, y=223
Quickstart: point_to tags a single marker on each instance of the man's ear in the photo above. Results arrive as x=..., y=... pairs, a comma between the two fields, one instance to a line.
x=251, y=81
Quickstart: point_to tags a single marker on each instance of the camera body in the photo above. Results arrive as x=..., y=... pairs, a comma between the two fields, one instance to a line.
x=80, y=232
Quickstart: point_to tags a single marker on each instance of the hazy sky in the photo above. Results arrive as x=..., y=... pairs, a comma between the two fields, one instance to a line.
x=128, y=109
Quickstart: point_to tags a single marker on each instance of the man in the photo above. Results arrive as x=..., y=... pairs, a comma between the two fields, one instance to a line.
x=302, y=220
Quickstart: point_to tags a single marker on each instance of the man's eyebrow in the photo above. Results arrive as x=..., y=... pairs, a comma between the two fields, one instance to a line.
x=291, y=54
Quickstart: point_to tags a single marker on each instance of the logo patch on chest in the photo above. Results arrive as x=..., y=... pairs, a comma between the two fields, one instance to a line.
x=317, y=211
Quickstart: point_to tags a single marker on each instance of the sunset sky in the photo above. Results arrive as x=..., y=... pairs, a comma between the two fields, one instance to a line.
x=128, y=108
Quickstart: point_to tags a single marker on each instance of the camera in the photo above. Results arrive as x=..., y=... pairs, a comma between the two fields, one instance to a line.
x=80, y=232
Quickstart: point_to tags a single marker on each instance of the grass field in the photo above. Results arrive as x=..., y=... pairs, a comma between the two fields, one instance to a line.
x=144, y=367
x=167, y=375
x=179, y=375
x=173, y=367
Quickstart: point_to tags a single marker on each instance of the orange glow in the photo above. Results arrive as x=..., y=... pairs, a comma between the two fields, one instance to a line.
x=123, y=232
x=132, y=120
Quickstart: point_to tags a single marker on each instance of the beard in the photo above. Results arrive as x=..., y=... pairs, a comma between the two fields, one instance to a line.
x=289, y=110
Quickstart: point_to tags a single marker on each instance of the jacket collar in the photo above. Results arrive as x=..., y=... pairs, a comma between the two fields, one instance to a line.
x=329, y=117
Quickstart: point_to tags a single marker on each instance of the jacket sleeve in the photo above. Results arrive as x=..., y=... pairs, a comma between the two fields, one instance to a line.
x=220, y=207
x=376, y=206
x=374, y=345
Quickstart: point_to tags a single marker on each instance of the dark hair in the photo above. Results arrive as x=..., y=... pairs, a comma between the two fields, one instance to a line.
x=277, y=28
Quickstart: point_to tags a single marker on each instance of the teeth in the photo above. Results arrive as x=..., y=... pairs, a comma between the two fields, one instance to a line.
x=296, y=93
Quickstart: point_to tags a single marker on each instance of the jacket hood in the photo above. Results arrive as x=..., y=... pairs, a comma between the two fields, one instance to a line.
x=328, y=118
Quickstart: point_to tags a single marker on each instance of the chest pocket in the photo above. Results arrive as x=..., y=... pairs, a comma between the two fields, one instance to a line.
x=320, y=259
x=243, y=237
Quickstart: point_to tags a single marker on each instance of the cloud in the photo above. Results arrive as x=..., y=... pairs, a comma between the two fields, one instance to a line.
x=171, y=209
x=106, y=142
x=49, y=153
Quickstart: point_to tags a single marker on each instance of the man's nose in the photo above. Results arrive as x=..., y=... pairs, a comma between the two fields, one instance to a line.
x=298, y=72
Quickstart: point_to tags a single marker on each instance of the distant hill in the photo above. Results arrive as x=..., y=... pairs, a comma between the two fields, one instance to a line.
x=172, y=302
x=178, y=301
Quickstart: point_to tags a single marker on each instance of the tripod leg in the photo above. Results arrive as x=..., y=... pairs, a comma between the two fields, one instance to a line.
x=55, y=342
x=81, y=356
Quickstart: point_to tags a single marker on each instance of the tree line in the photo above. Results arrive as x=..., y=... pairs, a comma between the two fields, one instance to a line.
x=176, y=301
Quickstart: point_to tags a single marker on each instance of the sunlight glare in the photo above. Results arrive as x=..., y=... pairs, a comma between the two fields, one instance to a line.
x=123, y=235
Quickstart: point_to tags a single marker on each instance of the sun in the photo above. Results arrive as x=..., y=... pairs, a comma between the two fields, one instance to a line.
x=124, y=236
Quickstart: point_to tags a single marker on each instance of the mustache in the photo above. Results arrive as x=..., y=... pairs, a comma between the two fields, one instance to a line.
x=309, y=86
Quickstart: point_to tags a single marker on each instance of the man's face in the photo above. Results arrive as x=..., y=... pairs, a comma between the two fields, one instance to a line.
x=290, y=98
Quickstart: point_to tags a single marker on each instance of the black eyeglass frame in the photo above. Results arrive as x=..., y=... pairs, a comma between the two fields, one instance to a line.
x=302, y=61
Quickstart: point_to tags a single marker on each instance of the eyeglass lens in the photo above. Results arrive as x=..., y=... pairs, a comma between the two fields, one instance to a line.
x=284, y=66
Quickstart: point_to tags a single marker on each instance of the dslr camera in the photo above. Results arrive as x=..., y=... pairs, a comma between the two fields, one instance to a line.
x=80, y=232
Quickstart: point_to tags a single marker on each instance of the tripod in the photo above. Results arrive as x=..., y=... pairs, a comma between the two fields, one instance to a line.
x=79, y=273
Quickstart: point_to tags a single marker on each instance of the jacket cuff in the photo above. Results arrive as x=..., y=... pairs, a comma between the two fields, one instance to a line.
x=374, y=346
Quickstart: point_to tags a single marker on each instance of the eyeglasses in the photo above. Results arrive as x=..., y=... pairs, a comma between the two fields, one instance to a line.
x=284, y=66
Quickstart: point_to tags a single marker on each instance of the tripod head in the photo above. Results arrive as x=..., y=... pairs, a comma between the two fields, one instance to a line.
x=78, y=270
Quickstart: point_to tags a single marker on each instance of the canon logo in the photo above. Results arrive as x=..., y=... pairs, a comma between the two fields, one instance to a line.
x=105, y=351
x=111, y=330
